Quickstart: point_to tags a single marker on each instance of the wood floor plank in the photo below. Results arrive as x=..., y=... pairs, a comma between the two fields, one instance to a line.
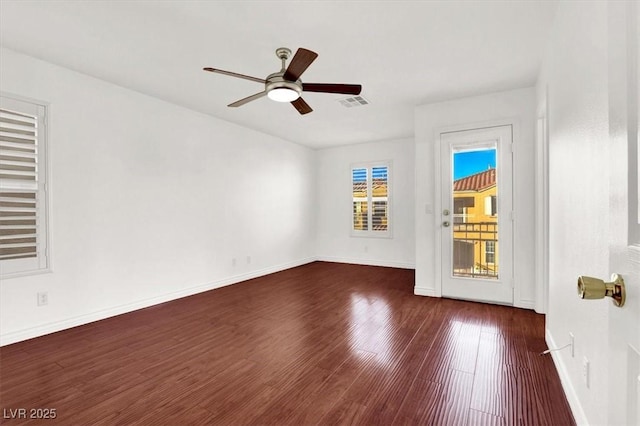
x=320, y=402
x=489, y=380
x=479, y=418
x=348, y=413
x=458, y=344
x=547, y=389
x=419, y=404
x=324, y=343
x=452, y=407
x=292, y=395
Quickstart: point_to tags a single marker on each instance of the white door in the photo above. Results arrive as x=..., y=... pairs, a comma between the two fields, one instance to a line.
x=476, y=216
x=624, y=211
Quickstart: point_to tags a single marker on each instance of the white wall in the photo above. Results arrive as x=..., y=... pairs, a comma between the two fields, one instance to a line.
x=334, y=240
x=573, y=81
x=151, y=201
x=515, y=107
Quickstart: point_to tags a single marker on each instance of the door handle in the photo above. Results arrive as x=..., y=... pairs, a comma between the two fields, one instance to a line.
x=446, y=224
x=594, y=288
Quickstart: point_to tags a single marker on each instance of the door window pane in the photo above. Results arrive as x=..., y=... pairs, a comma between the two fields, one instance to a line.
x=475, y=213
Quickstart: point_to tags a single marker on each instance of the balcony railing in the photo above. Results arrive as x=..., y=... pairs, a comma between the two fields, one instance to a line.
x=471, y=250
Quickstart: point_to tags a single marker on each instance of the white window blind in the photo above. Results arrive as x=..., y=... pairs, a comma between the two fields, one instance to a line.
x=23, y=238
x=370, y=200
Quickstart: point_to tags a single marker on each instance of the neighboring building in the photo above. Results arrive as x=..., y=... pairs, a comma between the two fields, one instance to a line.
x=475, y=225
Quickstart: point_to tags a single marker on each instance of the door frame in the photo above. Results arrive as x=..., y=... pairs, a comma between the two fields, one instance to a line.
x=514, y=122
x=541, y=180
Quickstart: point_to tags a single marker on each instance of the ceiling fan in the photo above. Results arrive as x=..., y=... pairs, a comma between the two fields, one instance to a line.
x=286, y=86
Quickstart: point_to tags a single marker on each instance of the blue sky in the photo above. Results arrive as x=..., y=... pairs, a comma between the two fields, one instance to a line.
x=471, y=162
x=360, y=175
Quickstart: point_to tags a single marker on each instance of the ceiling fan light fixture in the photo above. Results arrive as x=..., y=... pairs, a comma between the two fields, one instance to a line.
x=283, y=94
x=286, y=86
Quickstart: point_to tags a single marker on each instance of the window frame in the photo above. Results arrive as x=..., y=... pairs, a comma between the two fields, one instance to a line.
x=491, y=201
x=370, y=200
x=487, y=252
x=12, y=268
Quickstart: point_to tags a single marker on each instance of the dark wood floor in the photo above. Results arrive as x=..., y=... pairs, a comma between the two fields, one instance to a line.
x=323, y=343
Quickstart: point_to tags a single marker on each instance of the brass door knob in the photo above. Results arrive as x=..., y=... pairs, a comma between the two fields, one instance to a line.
x=445, y=223
x=595, y=288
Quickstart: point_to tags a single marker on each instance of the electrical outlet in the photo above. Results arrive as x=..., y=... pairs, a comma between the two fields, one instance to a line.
x=585, y=371
x=233, y=262
x=572, y=342
x=366, y=249
x=43, y=298
x=248, y=260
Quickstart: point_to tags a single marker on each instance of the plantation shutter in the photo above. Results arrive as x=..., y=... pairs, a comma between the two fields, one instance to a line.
x=22, y=237
x=360, y=191
x=370, y=200
x=379, y=196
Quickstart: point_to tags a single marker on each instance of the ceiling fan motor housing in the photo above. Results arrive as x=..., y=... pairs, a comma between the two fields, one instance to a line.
x=276, y=81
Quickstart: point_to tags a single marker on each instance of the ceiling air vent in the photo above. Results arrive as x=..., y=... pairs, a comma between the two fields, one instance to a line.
x=353, y=101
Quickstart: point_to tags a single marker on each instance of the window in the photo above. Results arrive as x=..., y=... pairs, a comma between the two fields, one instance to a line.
x=490, y=252
x=461, y=206
x=491, y=205
x=370, y=200
x=23, y=233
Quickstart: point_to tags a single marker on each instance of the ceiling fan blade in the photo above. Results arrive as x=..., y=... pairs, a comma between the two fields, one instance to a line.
x=301, y=106
x=235, y=74
x=300, y=62
x=346, y=89
x=248, y=99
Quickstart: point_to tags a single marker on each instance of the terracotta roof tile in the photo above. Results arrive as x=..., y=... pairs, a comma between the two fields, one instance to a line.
x=359, y=186
x=477, y=182
x=377, y=185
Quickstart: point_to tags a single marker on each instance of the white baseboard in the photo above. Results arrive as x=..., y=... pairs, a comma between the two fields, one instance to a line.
x=525, y=304
x=368, y=262
x=424, y=291
x=41, y=330
x=567, y=386
x=431, y=292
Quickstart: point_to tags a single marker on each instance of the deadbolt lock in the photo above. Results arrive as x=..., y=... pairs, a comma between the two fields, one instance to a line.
x=595, y=288
x=446, y=212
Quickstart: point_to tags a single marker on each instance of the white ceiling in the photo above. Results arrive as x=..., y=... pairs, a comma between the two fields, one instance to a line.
x=404, y=53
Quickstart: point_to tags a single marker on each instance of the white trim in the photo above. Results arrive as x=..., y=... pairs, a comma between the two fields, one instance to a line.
x=541, y=182
x=524, y=304
x=41, y=330
x=424, y=291
x=567, y=386
x=367, y=262
x=515, y=139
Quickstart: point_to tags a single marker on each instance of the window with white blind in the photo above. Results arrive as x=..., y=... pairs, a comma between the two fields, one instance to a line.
x=490, y=251
x=491, y=205
x=371, y=200
x=23, y=219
